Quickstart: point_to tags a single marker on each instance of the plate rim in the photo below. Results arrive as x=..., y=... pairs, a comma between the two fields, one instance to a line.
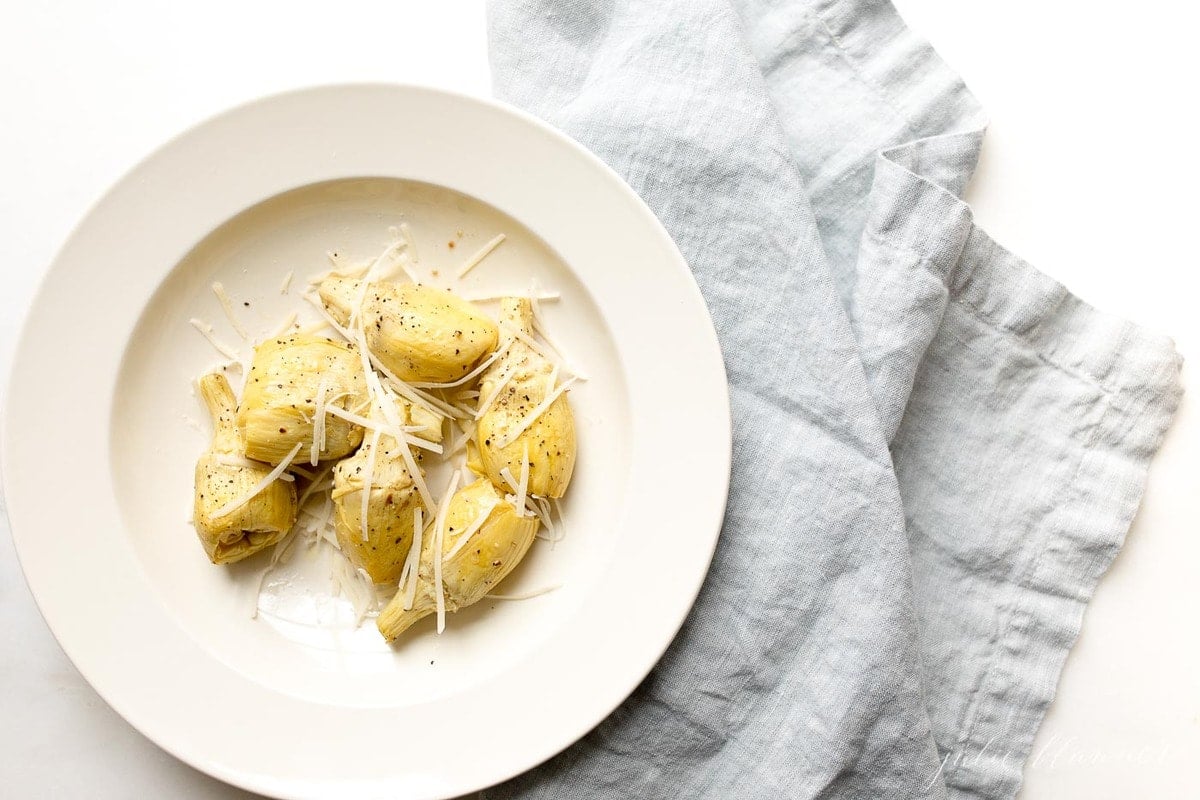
x=724, y=436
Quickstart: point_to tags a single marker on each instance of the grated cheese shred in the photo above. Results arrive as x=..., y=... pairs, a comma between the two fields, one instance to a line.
x=525, y=595
x=492, y=297
x=439, y=532
x=485, y=405
x=506, y=473
x=408, y=240
x=368, y=481
x=532, y=416
x=316, y=484
x=285, y=327
x=500, y=351
x=553, y=357
x=542, y=508
x=365, y=283
x=318, y=439
x=375, y=390
x=483, y=253
x=472, y=529
x=413, y=562
x=206, y=331
x=234, y=505
x=227, y=305
x=233, y=460
x=523, y=485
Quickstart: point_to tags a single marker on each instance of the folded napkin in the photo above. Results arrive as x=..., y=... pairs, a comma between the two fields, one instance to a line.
x=937, y=449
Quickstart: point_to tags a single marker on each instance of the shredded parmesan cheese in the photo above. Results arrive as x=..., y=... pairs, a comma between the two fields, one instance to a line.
x=439, y=533
x=315, y=486
x=413, y=562
x=408, y=240
x=415, y=396
x=471, y=530
x=483, y=253
x=376, y=390
x=541, y=350
x=541, y=507
x=364, y=284
x=423, y=444
x=354, y=585
x=315, y=300
x=418, y=479
x=532, y=416
x=525, y=595
x=368, y=480
x=283, y=329
x=460, y=443
x=227, y=305
x=384, y=400
x=402, y=433
x=315, y=327
x=378, y=397
x=356, y=419
x=441, y=406
x=234, y=505
x=488, y=298
x=517, y=498
x=232, y=460
x=206, y=330
x=500, y=351
x=318, y=439
x=287, y=282
x=485, y=405
x=523, y=486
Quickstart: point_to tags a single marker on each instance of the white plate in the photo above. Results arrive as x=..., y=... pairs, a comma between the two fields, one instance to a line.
x=98, y=452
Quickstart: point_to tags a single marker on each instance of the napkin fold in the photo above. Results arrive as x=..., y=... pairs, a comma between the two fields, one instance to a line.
x=937, y=449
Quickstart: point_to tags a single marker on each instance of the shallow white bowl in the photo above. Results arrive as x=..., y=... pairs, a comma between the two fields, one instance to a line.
x=98, y=450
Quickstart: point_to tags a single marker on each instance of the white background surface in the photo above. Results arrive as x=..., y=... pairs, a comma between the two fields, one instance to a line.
x=1088, y=171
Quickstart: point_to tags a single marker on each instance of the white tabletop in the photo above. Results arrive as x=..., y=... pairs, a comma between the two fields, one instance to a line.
x=1088, y=171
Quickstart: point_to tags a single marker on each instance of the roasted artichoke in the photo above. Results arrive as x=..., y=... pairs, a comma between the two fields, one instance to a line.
x=516, y=385
x=498, y=539
x=223, y=476
x=392, y=500
x=279, y=402
x=419, y=333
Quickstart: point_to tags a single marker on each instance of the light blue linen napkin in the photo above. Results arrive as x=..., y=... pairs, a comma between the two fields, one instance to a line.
x=937, y=449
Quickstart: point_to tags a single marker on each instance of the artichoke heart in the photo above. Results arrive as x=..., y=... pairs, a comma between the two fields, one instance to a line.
x=287, y=377
x=498, y=538
x=523, y=380
x=392, y=500
x=418, y=332
x=259, y=522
